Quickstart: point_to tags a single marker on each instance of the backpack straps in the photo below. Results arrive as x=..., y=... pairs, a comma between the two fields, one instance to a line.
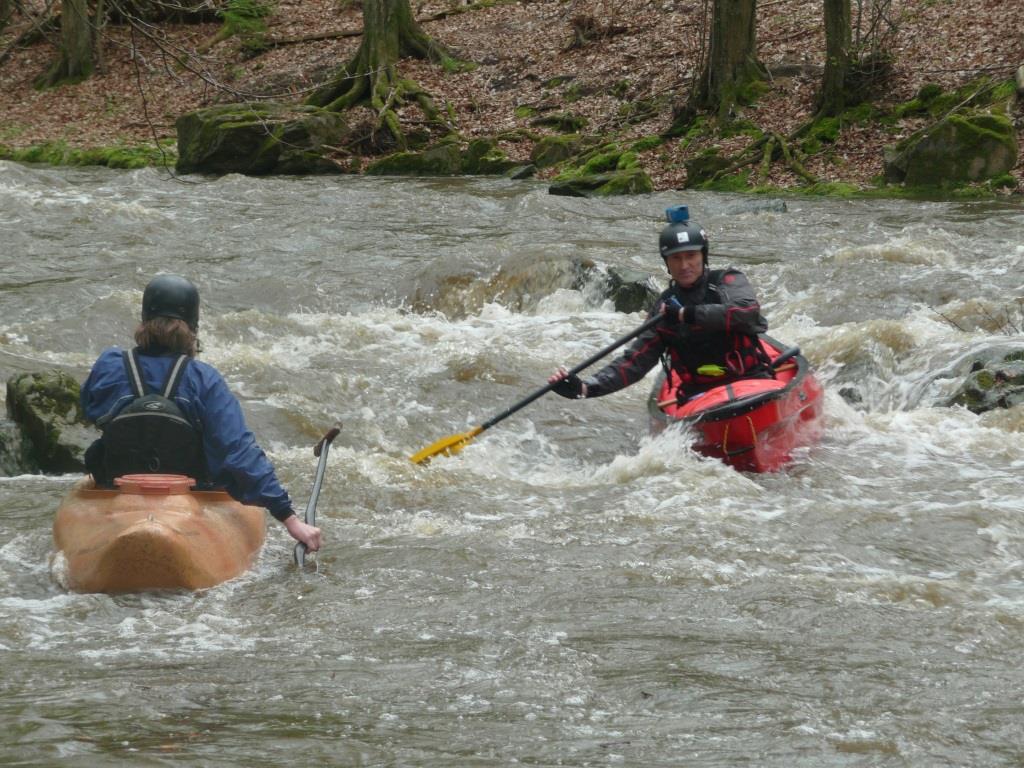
x=175, y=376
x=131, y=366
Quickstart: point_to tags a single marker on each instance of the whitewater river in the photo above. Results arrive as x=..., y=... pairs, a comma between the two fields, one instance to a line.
x=568, y=591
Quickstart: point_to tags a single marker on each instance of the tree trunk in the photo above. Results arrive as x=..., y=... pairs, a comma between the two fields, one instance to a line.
x=6, y=9
x=75, y=61
x=732, y=58
x=838, y=35
x=389, y=33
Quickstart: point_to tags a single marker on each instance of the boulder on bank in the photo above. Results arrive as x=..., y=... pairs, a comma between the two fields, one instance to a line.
x=45, y=406
x=960, y=149
x=481, y=157
x=259, y=139
x=993, y=384
x=552, y=150
x=631, y=181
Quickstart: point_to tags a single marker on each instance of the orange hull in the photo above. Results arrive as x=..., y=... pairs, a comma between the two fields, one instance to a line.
x=139, y=539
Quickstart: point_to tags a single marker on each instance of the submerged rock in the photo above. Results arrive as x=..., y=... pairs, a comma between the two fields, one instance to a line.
x=15, y=455
x=991, y=385
x=45, y=406
x=631, y=181
x=630, y=290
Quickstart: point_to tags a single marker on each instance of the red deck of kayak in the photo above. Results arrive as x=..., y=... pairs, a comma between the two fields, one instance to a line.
x=752, y=424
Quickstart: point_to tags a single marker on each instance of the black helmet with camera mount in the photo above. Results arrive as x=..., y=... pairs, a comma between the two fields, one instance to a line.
x=681, y=234
x=171, y=296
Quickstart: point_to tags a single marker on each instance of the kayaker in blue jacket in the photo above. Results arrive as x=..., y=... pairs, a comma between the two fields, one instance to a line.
x=710, y=331
x=189, y=422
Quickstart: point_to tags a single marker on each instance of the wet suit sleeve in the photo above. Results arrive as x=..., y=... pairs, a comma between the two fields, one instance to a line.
x=629, y=367
x=738, y=312
x=235, y=461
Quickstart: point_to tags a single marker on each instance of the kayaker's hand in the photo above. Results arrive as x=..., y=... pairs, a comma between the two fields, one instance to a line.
x=671, y=310
x=308, y=534
x=572, y=387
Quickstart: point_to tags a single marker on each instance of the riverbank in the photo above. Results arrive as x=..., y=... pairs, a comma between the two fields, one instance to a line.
x=621, y=84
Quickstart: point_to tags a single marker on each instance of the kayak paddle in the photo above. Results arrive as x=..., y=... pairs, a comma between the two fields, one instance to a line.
x=454, y=443
x=320, y=449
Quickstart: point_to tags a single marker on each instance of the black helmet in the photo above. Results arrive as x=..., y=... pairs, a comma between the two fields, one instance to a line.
x=171, y=296
x=681, y=234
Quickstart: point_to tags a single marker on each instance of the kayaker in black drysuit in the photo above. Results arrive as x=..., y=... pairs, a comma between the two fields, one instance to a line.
x=709, y=334
x=164, y=412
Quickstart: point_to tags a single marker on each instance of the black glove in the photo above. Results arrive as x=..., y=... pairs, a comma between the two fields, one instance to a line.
x=571, y=387
x=671, y=310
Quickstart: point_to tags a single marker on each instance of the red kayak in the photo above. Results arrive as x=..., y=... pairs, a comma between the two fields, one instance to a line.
x=751, y=424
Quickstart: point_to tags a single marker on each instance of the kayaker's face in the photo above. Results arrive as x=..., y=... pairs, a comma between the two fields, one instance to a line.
x=686, y=267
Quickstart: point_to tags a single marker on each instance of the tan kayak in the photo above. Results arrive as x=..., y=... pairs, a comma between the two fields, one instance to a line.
x=153, y=533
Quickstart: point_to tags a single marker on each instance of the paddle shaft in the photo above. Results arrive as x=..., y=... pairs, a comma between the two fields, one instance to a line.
x=651, y=322
x=310, y=517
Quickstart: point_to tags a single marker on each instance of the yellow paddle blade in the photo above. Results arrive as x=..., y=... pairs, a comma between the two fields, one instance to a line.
x=449, y=446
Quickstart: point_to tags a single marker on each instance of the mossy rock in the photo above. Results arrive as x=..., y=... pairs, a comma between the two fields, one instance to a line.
x=259, y=139
x=563, y=121
x=631, y=290
x=521, y=172
x=633, y=181
x=703, y=168
x=552, y=150
x=992, y=385
x=439, y=160
x=961, y=149
x=46, y=408
x=15, y=451
x=483, y=157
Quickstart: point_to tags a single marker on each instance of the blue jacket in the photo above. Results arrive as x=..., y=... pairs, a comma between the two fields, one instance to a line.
x=234, y=460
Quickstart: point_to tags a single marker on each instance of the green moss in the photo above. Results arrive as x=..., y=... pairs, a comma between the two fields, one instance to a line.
x=741, y=128
x=626, y=160
x=737, y=182
x=822, y=131
x=833, y=189
x=620, y=89
x=554, y=82
x=749, y=91
x=646, y=143
x=984, y=379
x=454, y=66
x=242, y=16
x=572, y=93
x=59, y=153
x=1004, y=92
x=564, y=122
x=638, y=111
x=860, y=114
x=928, y=92
x=524, y=111
x=630, y=182
x=1006, y=181
x=552, y=150
x=602, y=161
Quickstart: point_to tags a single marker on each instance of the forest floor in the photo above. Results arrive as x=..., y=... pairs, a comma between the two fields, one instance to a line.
x=640, y=61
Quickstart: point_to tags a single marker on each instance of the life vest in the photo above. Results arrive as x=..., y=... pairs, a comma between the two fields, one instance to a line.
x=151, y=435
x=695, y=362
